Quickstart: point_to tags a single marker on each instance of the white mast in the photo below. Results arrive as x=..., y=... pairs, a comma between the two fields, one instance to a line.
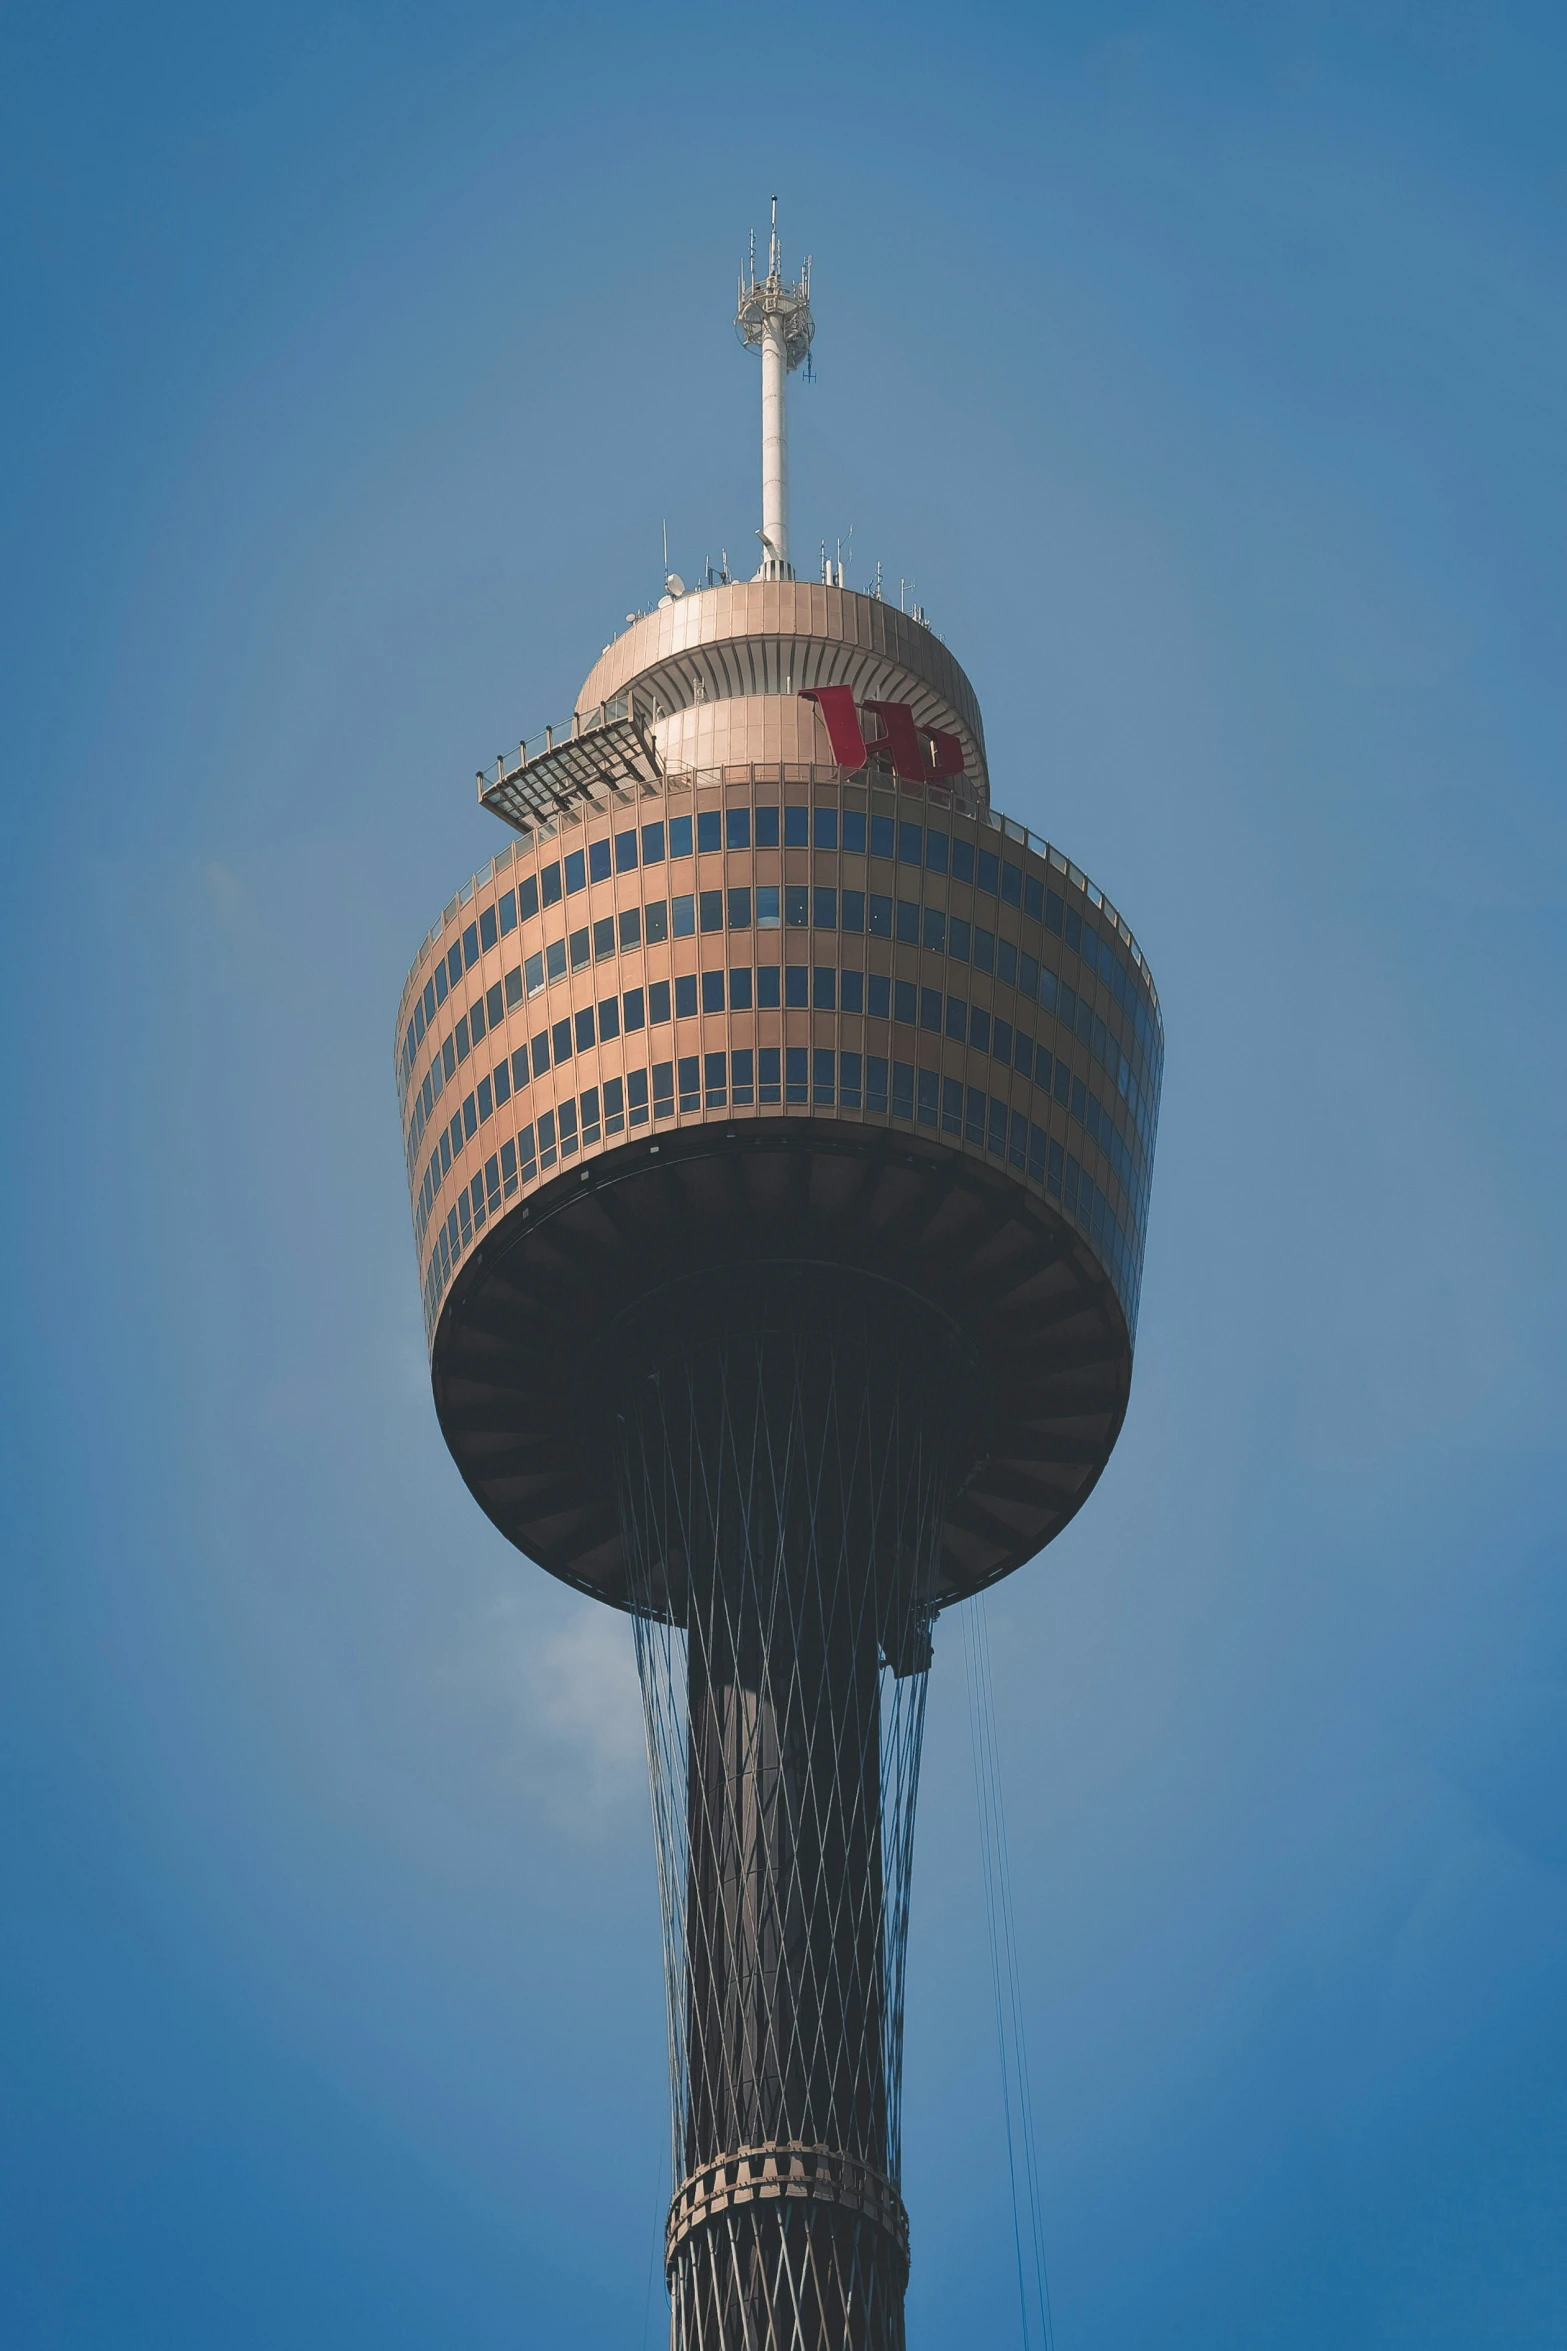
x=775, y=319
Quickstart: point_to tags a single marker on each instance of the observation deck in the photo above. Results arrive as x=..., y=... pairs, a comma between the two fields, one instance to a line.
x=765, y=1010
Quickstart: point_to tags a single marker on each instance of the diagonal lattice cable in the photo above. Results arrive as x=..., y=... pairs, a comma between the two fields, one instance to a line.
x=783, y=1463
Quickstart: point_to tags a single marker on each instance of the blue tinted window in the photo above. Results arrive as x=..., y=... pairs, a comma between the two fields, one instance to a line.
x=797, y=986
x=797, y=906
x=626, y=851
x=952, y=1106
x=631, y=1007
x=685, y=994
x=657, y=914
x=580, y=954
x=519, y=1067
x=541, y=1053
x=958, y=938
x=740, y=989
x=979, y=1030
x=1012, y=883
x=822, y=1073
x=851, y=991
x=1002, y=1044
x=739, y=910
x=712, y=991
x=878, y=995
x=1074, y=931
x=508, y=913
x=987, y=870
x=709, y=829
x=609, y=1019
x=824, y=827
x=431, y=1000
x=454, y=964
x=603, y=937
x=930, y=1009
x=767, y=987
x=679, y=837
x=929, y=1081
x=658, y=1002
x=460, y=1033
x=984, y=948
x=881, y=916
x=737, y=828
x=470, y=946
x=767, y=915
x=767, y=828
x=663, y=1086
x=797, y=828
x=903, y=1001
x=598, y=861
x=854, y=831
x=796, y=1080
x=854, y=910
x=824, y=988
x=908, y=922
x=549, y=884
x=1033, y=896
x=576, y=872
x=710, y=909
x=528, y=896
x=962, y=859
x=957, y=1018
x=903, y=1089
x=560, y=1040
x=881, y=836
x=487, y=927
x=741, y=1063
x=683, y=910
x=715, y=1074
x=824, y=908
x=936, y=851
x=533, y=974
x=910, y=845
x=768, y=1078
x=483, y=1097
x=688, y=1074
x=652, y=844
x=1006, y=962
x=934, y=930
x=849, y=1078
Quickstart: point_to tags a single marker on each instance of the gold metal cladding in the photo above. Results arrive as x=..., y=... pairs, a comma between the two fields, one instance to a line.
x=718, y=648
x=785, y=2171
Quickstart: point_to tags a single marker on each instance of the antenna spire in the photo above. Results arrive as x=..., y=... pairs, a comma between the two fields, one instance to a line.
x=774, y=317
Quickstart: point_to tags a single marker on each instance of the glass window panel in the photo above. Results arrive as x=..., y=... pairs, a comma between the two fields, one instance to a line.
x=439, y=983
x=625, y=858
x=849, y=1080
x=880, y=916
x=1006, y=962
x=796, y=1073
x=549, y=884
x=910, y=843
x=824, y=827
x=1011, y=883
x=767, y=915
x=680, y=836
x=824, y=988
x=929, y=1086
x=882, y=836
x=685, y=995
x=1002, y=1043
x=657, y=919
x=851, y=991
x=740, y=989
x=767, y=828
x=460, y=1038
x=519, y=1068
x=555, y=959
x=710, y=909
x=658, y=1002
x=514, y=986
x=580, y=949
x=631, y=927
x=492, y=1003
x=767, y=997
x=576, y=872
x=470, y=947
x=739, y=910
x=797, y=907
x=1033, y=896
x=904, y=1001
x=768, y=1079
x=609, y=1019
x=533, y=973
x=903, y=1089
x=528, y=896
x=653, y=844
x=878, y=995
x=984, y=948
x=632, y=1008
x=737, y=828
x=487, y=927
x=908, y=922
x=797, y=828
x=683, y=910
x=854, y=831
x=934, y=930
x=957, y=1018
x=560, y=1040
x=930, y=1009
x=712, y=991
x=823, y=1073
x=952, y=1106
x=797, y=986
x=603, y=937
x=987, y=864
x=854, y=910
x=824, y=907
x=935, y=851
x=599, y=854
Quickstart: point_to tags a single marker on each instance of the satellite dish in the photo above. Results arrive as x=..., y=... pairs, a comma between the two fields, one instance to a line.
x=674, y=583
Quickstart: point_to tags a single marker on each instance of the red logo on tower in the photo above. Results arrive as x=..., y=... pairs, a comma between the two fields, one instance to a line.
x=919, y=755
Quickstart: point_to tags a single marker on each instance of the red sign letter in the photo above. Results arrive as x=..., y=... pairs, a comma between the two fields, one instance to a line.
x=836, y=704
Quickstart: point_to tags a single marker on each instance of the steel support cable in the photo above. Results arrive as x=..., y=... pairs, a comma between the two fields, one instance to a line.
x=1006, y=1985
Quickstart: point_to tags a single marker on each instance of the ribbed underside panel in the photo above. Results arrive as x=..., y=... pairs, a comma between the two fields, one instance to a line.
x=784, y=1461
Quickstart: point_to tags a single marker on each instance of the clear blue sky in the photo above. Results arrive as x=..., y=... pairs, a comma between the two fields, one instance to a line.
x=1207, y=375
